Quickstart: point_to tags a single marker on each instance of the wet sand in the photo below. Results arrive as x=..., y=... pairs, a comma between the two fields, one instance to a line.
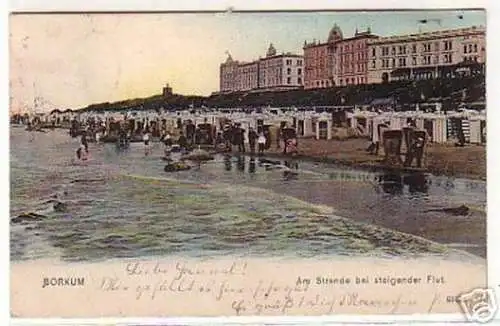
x=440, y=159
x=352, y=202
x=356, y=201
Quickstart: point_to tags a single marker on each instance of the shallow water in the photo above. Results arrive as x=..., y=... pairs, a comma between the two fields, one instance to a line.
x=122, y=204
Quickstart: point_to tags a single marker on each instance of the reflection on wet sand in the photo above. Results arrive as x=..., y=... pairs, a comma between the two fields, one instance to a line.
x=390, y=182
x=415, y=203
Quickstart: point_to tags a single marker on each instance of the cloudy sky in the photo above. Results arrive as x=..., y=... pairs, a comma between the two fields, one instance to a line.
x=72, y=60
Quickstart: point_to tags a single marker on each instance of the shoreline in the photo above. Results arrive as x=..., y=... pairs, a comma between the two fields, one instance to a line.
x=467, y=162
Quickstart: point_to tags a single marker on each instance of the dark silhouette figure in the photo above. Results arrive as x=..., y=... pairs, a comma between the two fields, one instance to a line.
x=252, y=139
x=251, y=165
x=227, y=163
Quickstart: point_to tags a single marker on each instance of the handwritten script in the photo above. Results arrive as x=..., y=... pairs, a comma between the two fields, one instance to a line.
x=232, y=286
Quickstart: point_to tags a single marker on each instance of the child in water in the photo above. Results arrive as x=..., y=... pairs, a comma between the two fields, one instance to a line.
x=81, y=153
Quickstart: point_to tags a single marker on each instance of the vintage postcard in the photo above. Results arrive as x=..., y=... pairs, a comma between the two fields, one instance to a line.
x=248, y=164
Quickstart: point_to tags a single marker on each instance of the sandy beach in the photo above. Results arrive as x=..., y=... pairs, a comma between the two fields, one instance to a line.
x=440, y=159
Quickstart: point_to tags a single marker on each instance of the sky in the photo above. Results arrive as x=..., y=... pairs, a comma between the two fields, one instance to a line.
x=73, y=60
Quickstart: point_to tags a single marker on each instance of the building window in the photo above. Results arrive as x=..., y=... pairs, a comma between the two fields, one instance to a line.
x=374, y=52
x=436, y=59
x=299, y=62
x=436, y=46
x=299, y=81
x=414, y=61
x=475, y=48
x=465, y=48
x=470, y=48
x=393, y=62
x=288, y=71
x=447, y=45
x=374, y=64
x=299, y=71
x=414, y=48
x=393, y=50
x=447, y=58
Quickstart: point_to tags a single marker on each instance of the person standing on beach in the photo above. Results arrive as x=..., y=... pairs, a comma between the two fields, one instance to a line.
x=241, y=143
x=145, y=138
x=190, y=131
x=182, y=141
x=262, y=143
x=84, y=141
x=252, y=138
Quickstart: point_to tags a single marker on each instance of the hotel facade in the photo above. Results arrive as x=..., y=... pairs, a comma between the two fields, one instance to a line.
x=273, y=72
x=366, y=58
x=425, y=55
x=339, y=61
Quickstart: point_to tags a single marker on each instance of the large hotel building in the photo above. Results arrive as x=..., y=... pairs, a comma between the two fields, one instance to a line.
x=426, y=55
x=338, y=61
x=273, y=72
x=365, y=58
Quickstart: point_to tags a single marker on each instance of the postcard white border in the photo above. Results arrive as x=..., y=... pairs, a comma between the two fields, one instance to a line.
x=493, y=25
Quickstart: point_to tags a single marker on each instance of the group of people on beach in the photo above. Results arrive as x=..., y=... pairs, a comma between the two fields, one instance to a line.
x=231, y=137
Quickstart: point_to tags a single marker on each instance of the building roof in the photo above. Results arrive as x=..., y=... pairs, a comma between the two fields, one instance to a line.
x=271, y=51
x=335, y=34
x=248, y=63
x=360, y=36
x=474, y=30
x=314, y=44
x=283, y=55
